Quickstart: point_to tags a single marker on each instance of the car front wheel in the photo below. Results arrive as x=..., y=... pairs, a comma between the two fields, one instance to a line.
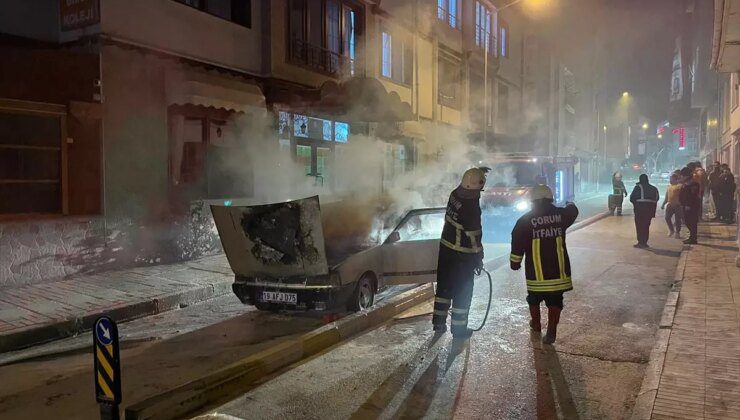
x=363, y=296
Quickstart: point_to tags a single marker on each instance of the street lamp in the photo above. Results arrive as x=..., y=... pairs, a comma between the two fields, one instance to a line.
x=536, y=3
x=625, y=94
x=645, y=126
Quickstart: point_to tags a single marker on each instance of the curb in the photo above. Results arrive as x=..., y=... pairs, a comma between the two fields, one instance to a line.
x=72, y=326
x=233, y=379
x=645, y=401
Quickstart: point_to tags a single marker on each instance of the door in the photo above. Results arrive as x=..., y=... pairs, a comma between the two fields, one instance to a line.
x=411, y=250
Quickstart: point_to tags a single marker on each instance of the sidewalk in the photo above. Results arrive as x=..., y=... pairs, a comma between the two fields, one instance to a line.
x=700, y=377
x=43, y=312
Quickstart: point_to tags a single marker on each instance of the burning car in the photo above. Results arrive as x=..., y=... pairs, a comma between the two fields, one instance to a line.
x=281, y=259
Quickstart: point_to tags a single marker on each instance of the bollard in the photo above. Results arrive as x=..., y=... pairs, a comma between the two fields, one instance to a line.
x=107, y=370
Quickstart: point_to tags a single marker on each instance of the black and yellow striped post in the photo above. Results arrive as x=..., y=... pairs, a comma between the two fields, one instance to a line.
x=107, y=368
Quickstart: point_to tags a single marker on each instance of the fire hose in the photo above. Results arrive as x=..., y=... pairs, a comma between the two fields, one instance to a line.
x=490, y=298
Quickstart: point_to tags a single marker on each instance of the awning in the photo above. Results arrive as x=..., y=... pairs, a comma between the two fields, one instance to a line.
x=359, y=99
x=214, y=91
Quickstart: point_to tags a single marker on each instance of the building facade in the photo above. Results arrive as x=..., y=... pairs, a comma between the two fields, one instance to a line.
x=136, y=114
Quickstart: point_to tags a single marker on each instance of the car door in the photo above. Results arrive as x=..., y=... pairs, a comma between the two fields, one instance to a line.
x=411, y=250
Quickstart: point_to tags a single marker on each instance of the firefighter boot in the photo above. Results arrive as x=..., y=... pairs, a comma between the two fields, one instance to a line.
x=553, y=317
x=534, y=322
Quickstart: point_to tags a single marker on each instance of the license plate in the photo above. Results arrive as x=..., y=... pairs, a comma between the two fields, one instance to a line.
x=280, y=297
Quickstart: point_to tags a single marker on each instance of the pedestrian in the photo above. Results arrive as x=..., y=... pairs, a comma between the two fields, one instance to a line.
x=700, y=177
x=712, y=185
x=726, y=190
x=617, y=197
x=690, y=200
x=460, y=254
x=644, y=199
x=539, y=235
x=672, y=206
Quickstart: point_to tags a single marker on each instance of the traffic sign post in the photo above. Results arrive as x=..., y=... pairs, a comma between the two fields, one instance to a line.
x=107, y=368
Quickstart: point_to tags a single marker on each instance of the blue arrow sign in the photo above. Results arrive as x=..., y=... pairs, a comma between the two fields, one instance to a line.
x=104, y=331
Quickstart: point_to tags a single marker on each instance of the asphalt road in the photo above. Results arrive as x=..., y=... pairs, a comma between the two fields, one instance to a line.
x=402, y=370
x=158, y=352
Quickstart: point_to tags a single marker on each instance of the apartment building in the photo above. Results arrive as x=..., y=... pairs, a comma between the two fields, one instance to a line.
x=138, y=112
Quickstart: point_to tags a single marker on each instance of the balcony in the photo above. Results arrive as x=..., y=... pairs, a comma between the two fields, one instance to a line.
x=321, y=59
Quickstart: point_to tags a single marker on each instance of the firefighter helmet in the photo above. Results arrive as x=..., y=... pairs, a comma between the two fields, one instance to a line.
x=474, y=179
x=541, y=192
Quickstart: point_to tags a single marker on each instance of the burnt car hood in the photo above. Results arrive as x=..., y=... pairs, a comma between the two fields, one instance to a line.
x=273, y=240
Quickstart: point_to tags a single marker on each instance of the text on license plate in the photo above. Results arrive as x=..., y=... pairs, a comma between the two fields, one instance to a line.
x=280, y=297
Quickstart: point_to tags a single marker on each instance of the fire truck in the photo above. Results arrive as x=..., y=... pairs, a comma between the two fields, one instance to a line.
x=511, y=177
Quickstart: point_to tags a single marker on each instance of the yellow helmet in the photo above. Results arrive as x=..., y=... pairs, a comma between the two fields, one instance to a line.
x=540, y=192
x=474, y=179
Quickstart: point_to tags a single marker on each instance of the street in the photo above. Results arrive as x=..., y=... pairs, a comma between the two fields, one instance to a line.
x=162, y=351
x=594, y=370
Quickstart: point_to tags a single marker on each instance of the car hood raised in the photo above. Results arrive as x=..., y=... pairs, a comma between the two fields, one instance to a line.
x=273, y=240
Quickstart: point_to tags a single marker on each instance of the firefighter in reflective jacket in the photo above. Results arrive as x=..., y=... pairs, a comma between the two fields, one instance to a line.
x=460, y=254
x=644, y=198
x=540, y=237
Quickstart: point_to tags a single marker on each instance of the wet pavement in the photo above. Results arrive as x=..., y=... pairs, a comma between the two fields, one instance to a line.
x=594, y=370
x=162, y=351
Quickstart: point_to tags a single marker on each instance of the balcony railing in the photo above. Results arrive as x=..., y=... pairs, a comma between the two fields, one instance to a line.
x=321, y=59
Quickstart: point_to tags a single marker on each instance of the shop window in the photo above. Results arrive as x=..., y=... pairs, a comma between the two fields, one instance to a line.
x=323, y=163
x=305, y=157
x=341, y=132
x=236, y=11
x=326, y=130
x=30, y=164
x=300, y=125
x=204, y=150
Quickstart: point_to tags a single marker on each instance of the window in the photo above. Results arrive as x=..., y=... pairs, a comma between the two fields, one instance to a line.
x=735, y=93
x=422, y=227
x=449, y=83
x=504, y=39
x=483, y=24
x=323, y=35
x=449, y=12
x=387, y=55
x=341, y=132
x=237, y=11
x=397, y=59
x=30, y=164
x=204, y=147
x=503, y=102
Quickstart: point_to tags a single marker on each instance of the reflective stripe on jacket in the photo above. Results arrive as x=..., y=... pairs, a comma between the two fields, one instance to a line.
x=540, y=237
x=645, y=199
x=462, y=230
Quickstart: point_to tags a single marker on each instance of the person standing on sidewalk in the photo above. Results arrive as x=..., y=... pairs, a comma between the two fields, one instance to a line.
x=460, y=254
x=690, y=198
x=644, y=199
x=540, y=236
x=673, y=209
x=726, y=188
x=712, y=185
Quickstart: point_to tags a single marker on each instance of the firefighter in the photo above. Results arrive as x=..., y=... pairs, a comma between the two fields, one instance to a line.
x=540, y=236
x=460, y=254
x=620, y=191
x=644, y=199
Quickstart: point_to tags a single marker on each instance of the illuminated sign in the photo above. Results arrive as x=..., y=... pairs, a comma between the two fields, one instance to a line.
x=559, y=186
x=75, y=14
x=681, y=137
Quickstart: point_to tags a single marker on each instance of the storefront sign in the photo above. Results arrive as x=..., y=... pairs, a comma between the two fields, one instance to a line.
x=75, y=14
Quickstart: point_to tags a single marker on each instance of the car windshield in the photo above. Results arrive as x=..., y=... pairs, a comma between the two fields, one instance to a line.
x=513, y=174
x=422, y=226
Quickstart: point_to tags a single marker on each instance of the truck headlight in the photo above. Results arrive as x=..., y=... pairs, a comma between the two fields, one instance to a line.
x=522, y=205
